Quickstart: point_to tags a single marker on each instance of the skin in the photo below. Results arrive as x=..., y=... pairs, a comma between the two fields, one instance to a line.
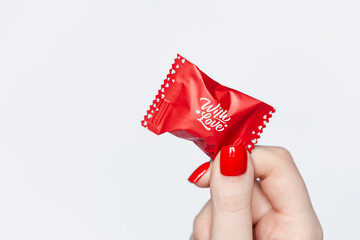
x=275, y=207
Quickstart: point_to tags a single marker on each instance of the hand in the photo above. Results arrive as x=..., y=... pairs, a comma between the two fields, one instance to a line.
x=275, y=207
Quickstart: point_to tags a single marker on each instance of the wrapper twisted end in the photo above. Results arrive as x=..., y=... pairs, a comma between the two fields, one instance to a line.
x=259, y=130
x=160, y=96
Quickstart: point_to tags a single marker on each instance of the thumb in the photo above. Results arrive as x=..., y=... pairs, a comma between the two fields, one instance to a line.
x=231, y=184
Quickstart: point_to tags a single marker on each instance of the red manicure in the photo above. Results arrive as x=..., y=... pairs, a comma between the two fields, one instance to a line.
x=199, y=172
x=233, y=160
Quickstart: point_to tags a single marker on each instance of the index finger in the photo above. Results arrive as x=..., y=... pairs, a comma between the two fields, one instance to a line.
x=280, y=179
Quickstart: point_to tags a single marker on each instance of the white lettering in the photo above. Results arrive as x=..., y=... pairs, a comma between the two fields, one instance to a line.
x=213, y=117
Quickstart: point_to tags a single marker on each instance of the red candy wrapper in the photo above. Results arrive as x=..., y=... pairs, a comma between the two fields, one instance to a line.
x=192, y=106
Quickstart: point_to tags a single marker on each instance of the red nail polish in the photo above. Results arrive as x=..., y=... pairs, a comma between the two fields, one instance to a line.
x=199, y=172
x=233, y=160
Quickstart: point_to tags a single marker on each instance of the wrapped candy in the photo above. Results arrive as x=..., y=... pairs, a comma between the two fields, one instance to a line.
x=192, y=106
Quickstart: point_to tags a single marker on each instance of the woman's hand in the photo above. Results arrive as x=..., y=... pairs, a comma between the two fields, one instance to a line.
x=275, y=207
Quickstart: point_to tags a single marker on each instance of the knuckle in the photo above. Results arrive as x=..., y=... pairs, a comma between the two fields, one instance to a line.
x=316, y=230
x=199, y=236
x=200, y=231
x=228, y=200
x=282, y=152
x=197, y=221
x=283, y=155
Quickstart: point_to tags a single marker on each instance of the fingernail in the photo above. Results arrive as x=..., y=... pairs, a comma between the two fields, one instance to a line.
x=233, y=160
x=199, y=172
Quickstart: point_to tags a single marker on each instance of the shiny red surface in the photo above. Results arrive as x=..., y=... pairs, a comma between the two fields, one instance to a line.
x=199, y=172
x=233, y=160
x=192, y=106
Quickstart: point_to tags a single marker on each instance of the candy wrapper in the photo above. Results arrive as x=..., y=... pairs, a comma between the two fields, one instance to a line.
x=192, y=106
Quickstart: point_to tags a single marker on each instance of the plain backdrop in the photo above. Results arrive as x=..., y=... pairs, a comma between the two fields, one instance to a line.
x=76, y=78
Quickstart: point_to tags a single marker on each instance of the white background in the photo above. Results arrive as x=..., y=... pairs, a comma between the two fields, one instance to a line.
x=76, y=77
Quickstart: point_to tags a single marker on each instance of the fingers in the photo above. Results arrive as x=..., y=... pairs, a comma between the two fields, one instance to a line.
x=260, y=203
x=281, y=188
x=231, y=186
x=201, y=176
x=280, y=179
x=202, y=223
